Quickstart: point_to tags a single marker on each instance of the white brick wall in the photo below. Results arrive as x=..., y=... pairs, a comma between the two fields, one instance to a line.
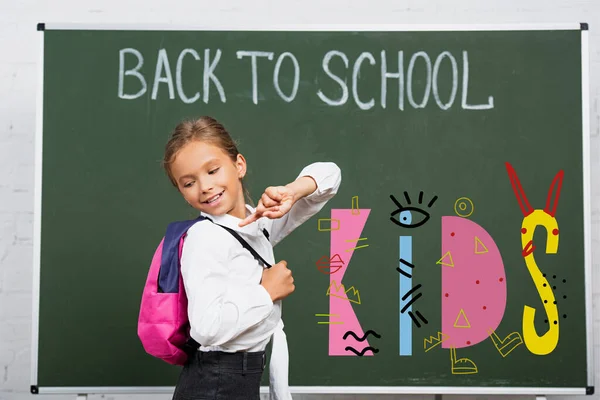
x=18, y=66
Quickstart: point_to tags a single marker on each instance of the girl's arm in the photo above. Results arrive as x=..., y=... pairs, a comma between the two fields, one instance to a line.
x=221, y=307
x=327, y=177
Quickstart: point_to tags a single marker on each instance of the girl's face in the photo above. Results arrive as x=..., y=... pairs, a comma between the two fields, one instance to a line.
x=209, y=180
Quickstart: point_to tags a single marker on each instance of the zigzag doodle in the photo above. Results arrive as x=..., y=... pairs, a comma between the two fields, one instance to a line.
x=341, y=289
x=434, y=341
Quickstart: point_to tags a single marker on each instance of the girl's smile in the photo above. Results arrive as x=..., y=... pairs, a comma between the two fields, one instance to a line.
x=214, y=200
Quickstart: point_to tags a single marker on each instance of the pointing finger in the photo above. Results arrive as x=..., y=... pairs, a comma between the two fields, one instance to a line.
x=249, y=219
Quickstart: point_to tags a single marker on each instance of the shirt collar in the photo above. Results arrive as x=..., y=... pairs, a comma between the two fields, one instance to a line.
x=232, y=222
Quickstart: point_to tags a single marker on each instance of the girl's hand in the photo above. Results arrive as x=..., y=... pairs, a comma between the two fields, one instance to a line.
x=275, y=202
x=278, y=281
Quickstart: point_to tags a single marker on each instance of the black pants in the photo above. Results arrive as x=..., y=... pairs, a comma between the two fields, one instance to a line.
x=217, y=375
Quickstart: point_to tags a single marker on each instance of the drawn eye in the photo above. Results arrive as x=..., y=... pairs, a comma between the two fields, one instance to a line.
x=410, y=217
x=405, y=219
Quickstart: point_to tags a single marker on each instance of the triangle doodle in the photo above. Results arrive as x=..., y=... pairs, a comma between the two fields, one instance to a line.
x=446, y=260
x=464, y=323
x=479, y=246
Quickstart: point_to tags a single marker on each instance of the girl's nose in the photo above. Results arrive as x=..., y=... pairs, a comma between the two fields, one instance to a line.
x=205, y=185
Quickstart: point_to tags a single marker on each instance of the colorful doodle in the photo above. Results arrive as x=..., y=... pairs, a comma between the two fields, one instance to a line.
x=461, y=320
x=532, y=218
x=355, y=209
x=508, y=344
x=474, y=289
x=434, y=341
x=414, y=319
x=479, y=246
x=446, y=260
x=403, y=215
x=463, y=207
x=461, y=366
x=357, y=247
x=351, y=294
x=331, y=265
x=352, y=228
x=408, y=217
x=334, y=224
x=362, y=339
x=405, y=328
x=330, y=321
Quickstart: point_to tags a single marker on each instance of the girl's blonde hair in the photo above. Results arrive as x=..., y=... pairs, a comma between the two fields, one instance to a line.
x=204, y=129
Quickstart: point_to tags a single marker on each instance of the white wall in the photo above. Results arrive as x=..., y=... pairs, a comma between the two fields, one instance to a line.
x=18, y=83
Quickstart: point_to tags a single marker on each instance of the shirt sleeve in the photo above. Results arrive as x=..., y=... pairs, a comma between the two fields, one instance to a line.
x=328, y=177
x=220, y=307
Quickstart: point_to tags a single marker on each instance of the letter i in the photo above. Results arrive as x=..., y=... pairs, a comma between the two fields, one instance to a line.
x=405, y=286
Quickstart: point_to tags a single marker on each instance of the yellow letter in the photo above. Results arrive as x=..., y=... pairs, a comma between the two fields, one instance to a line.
x=545, y=344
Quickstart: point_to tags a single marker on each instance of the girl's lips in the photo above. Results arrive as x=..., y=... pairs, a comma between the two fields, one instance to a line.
x=215, y=202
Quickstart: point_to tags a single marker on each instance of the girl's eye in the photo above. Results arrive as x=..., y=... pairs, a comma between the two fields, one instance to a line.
x=187, y=184
x=212, y=171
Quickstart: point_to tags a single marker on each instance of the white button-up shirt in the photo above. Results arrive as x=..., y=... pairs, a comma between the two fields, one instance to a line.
x=228, y=309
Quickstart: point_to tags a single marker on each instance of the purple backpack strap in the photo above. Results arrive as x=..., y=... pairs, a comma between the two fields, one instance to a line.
x=168, y=276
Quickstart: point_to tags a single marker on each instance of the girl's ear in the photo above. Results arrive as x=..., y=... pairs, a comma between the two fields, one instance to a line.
x=240, y=164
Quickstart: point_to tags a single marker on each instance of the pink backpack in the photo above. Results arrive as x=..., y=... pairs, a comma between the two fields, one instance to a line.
x=163, y=325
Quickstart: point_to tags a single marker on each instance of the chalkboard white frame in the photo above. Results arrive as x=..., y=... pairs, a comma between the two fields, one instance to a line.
x=322, y=389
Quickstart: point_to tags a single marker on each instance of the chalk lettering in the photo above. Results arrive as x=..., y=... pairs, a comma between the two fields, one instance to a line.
x=465, y=89
x=424, y=76
x=209, y=75
x=409, y=78
x=436, y=69
x=280, y=59
x=162, y=64
x=178, y=82
x=131, y=72
x=355, y=73
x=253, y=55
x=385, y=75
x=342, y=100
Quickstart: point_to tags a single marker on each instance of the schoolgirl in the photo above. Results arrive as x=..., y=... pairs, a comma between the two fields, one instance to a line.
x=234, y=303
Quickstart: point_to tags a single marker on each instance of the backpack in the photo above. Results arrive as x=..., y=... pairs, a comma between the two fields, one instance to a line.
x=163, y=325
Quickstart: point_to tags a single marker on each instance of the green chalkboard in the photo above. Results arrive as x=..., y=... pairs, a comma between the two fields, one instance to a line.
x=437, y=134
